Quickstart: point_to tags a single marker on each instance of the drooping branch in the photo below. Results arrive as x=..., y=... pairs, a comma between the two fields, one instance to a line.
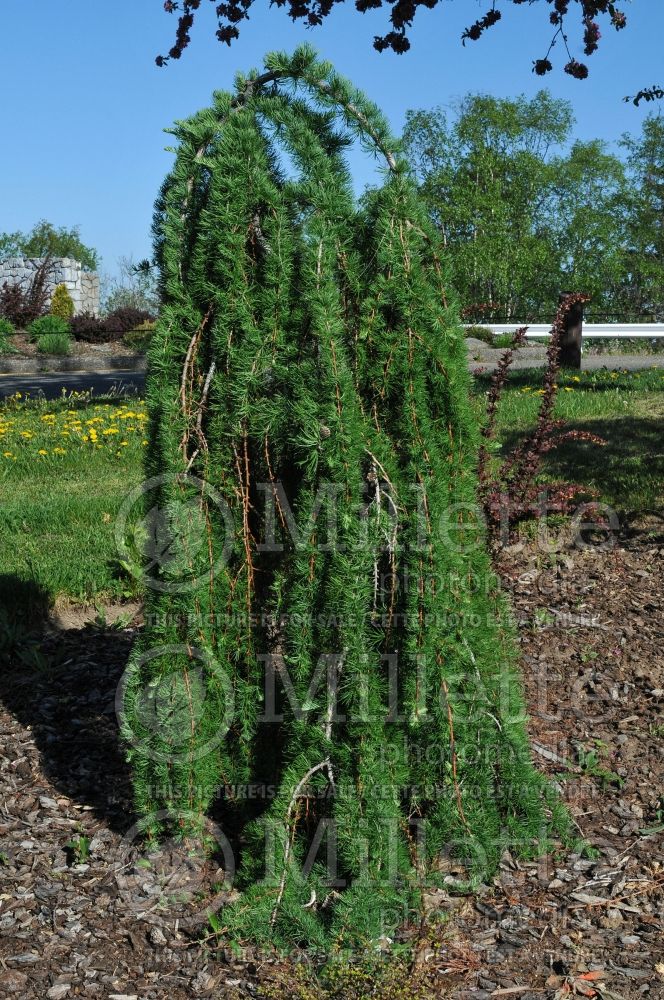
x=306, y=357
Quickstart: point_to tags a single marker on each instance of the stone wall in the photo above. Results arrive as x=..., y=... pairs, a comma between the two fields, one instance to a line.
x=83, y=286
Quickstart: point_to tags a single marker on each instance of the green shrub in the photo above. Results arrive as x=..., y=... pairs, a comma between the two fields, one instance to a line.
x=281, y=358
x=48, y=325
x=54, y=343
x=503, y=340
x=139, y=338
x=480, y=333
x=484, y=333
x=6, y=347
x=62, y=304
x=6, y=330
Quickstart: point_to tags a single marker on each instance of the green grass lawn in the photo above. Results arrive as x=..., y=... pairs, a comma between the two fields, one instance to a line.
x=624, y=408
x=66, y=467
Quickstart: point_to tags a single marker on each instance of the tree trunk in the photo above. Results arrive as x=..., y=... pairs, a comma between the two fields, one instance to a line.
x=570, y=344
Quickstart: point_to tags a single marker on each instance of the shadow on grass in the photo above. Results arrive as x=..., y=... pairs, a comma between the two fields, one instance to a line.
x=61, y=683
x=628, y=472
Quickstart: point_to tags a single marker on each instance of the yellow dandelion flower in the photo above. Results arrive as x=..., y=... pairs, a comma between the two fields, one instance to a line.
x=111, y=430
x=59, y=451
x=7, y=454
x=42, y=451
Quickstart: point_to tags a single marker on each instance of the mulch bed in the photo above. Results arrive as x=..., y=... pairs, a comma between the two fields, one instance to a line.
x=592, y=636
x=25, y=347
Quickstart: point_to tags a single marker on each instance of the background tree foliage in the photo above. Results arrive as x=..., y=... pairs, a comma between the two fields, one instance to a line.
x=643, y=276
x=133, y=287
x=45, y=240
x=525, y=215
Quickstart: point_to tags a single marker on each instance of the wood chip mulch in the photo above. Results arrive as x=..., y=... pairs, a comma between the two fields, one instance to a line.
x=24, y=347
x=591, y=624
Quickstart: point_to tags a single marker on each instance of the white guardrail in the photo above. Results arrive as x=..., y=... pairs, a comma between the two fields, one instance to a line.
x=596, y=331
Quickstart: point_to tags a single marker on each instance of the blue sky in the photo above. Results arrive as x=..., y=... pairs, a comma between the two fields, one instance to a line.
x=84, y=106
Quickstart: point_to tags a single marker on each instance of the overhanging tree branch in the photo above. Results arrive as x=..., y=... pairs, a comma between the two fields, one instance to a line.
x=402, y=13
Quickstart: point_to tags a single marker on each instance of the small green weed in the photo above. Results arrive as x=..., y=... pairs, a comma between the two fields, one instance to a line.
x=78, y=850
x=18, y=644
x=590, y=762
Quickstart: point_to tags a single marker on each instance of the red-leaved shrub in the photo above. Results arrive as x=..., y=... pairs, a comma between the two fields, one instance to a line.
x=112, y=327
x=512, y=493
x=22, y=306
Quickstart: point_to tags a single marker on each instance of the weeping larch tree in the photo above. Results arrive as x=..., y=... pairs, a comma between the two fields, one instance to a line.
x=309, y=370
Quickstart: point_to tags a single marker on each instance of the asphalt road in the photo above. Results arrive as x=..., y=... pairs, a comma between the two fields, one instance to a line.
x=50, y=385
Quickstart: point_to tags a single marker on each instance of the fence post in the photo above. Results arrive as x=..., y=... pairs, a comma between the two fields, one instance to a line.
x=570, y=343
